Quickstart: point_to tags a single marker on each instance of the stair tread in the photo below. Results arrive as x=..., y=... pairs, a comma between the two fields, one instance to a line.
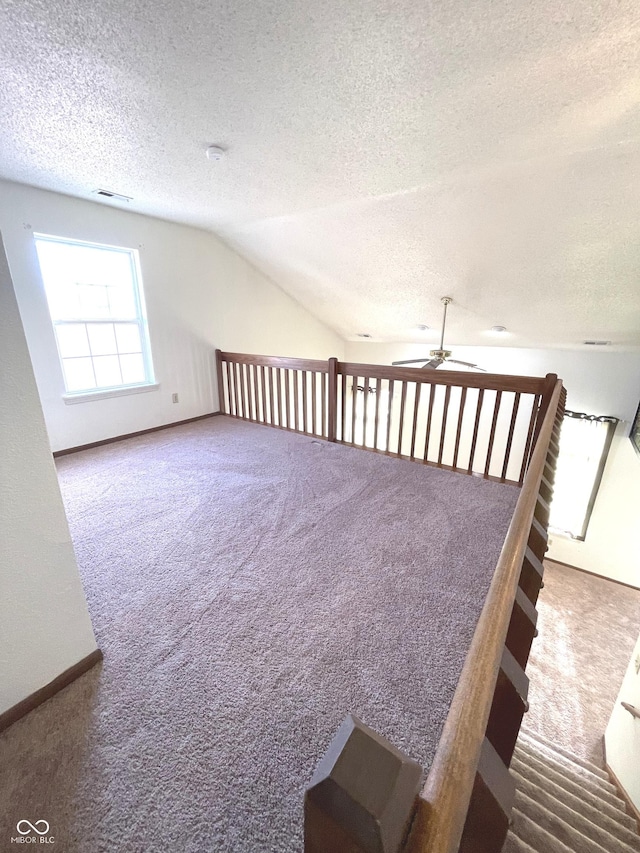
x=513, y=844
x=565, y=753
x=562, y=762
x=586, y=838
x=577, y=813
x=538, y=838
x=542, y=774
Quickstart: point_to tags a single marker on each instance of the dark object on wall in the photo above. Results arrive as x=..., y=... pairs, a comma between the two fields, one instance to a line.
x=634, y=435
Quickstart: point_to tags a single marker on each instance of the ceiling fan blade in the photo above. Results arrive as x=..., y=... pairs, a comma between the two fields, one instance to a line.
x=466, y=364
x=431, y=365
x=410, y=361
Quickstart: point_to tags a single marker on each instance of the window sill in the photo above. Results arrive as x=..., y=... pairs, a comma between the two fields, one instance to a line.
x=107, y=393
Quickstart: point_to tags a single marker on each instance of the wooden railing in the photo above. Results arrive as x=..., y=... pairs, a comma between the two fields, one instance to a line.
x=441, y=419
x=484, y=424
x=466, y=802
x=443, y=806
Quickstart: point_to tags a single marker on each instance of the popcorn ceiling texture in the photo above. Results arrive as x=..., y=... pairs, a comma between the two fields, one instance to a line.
x=381, y=154
x=249, y=588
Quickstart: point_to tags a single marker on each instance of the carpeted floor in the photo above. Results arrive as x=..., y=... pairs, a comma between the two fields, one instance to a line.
x=588, y=627
x=249, y=587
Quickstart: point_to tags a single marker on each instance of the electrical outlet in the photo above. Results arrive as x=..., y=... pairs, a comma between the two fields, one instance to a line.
x=174, y=398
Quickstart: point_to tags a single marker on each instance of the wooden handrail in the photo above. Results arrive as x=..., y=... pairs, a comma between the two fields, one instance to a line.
x=631, y=709
x=443, y=803
x=488, y=381
x=316, y=365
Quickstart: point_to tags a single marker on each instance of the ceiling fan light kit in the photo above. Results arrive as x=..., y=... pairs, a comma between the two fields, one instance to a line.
x=438, y=356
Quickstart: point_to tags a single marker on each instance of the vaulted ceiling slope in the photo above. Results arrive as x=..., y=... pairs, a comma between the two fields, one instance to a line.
x=379, y=155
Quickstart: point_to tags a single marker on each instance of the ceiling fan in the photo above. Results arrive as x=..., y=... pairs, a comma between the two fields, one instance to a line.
x=438, y=356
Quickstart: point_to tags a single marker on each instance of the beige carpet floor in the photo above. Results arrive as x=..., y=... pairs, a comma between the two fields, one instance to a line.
x=249, y=588
x=588, y=627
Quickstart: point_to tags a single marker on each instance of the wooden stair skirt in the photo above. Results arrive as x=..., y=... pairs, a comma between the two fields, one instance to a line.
x=364, y=794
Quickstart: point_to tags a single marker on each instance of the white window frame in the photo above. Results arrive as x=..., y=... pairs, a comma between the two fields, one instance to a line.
x=610, y=424
x=140, y=321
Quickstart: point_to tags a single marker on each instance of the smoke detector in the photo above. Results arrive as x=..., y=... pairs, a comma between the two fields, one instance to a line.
x=214, y=153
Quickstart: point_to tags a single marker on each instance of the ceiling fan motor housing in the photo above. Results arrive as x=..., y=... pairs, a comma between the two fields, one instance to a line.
x=440, y=353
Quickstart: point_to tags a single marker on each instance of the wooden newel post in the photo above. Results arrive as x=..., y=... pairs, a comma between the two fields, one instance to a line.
x=333, y=399
x=549, y=386
x=362, y=794
x=221, y=401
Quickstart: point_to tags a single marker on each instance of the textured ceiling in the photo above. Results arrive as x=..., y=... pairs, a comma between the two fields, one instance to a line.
x=380, y=155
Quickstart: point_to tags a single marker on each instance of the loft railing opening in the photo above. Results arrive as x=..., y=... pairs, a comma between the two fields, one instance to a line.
x=482, y=424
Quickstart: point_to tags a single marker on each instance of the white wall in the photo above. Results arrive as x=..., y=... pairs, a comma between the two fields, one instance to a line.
x=622, y=737
x=601, y=383
x=44, y=622
x=200, y=295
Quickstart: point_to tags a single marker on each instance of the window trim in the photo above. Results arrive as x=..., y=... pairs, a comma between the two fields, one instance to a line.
x=106, y=393
x=150, y=383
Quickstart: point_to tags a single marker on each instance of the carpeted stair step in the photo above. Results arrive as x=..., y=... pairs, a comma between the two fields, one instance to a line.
x=536, y=838
x=547, y=778
x=561, y=774
x=513, y=844
x=564, y=765
x=556, y=825
x=583, y=817
x=537, y=740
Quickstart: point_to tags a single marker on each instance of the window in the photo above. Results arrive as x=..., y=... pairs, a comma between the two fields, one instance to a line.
x=96, y=304
x=584, y=444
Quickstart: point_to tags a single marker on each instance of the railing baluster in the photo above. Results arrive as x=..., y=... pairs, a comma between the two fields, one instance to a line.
x=416, y=405
x=313, y=404
x=443, y=428
x=243, y=395
x=403, y=400
x=323, y=403
x=296, y=406
x=263, y=390
x=277, y=387
x=389, y=413
x=343, y=414
x=236, y=388
x=332, y=401
x=272, y=415
x=230, y=389
x=377, y=413
x=287, y=398
x=304, y=401
x=476, y=425
x=463, y=399
x=364, y=416
x=432, y=394
x=512, y=426
x=354, y=395
x=492, y=434
x=527, y=448
x=249, y=393
x=256, y=397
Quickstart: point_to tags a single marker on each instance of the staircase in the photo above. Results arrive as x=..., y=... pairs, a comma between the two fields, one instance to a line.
x=565, y=805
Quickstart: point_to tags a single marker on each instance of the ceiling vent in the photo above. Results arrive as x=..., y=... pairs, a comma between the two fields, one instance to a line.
x=111, y=194
x=597, y=343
